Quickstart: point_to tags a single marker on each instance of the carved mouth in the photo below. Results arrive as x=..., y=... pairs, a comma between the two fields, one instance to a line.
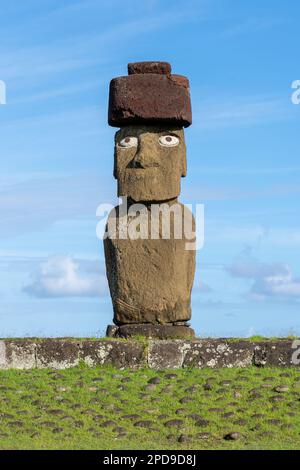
x=139, y=166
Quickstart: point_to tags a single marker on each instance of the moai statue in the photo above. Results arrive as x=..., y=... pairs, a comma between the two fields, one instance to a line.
x=150, y=274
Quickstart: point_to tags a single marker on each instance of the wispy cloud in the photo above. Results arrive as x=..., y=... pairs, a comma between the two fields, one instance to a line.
x=83, y=50
x=252, y=234
x=76, y=119
x=62, y=276
x=35, y=205
x=215, y=193
x=246, y=170
x=58, y=92
x=253, y=25
x=239, y=111
x=269, y=280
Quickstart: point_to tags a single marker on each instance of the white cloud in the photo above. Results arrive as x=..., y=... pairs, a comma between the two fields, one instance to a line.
x=279, y=285
x=62, y=276
x=249, y=268
x=269, y=280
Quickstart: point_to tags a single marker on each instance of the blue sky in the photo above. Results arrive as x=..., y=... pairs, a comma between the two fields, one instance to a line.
x=57, y=58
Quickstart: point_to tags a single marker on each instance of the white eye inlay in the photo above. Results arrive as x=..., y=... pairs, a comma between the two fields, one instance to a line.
x=128, y=142
x=168, y=140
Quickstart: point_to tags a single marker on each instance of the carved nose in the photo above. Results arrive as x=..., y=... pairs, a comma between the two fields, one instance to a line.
x=145, y=157
x=140, y=160
x=137, y=164
x=144, y=161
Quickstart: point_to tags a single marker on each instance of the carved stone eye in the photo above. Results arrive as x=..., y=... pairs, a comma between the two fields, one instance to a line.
x=168, y=140
x=128, y=142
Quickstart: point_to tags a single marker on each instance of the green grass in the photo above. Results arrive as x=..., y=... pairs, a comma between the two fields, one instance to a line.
x=258, y=339
x=68, y=409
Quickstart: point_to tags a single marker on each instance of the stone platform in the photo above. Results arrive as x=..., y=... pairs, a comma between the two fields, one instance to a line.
x=63, y=353
x=147, y=330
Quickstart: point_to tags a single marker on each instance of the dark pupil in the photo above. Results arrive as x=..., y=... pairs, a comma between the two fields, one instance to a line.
x=168, y=139
x=127, y=140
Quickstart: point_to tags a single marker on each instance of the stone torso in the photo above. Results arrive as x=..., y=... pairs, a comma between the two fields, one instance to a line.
x=150, y=280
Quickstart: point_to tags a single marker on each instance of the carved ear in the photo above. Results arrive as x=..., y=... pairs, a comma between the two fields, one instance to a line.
x=183, y=163
x=115, y=173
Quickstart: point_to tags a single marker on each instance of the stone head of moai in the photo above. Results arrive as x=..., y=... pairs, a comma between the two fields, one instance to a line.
x=159, y=151
x=150, y=280
x=151, y=106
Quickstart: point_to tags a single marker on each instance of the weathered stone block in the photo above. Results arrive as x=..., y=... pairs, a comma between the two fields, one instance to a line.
x=156, y=354
x=274, y=353
x=167, y=354
x=57, y=354
x=118, y=353
x=2, y=355
x=151, y=331
x=219, y=353
x=17, y=354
